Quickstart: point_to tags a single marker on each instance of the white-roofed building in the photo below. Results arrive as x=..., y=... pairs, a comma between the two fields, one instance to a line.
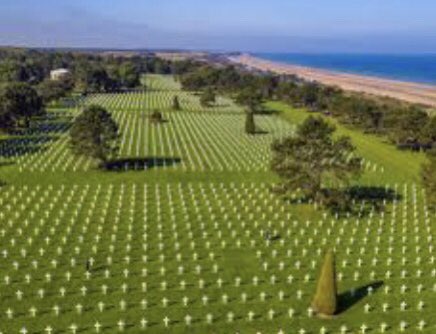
x=59, y=74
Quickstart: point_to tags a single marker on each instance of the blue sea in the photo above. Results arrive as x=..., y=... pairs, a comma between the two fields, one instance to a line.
x=413, y=68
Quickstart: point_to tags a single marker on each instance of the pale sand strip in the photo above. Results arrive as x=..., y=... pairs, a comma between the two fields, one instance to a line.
x=406, y=91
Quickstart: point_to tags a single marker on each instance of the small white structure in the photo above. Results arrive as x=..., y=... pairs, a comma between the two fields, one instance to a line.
x=59, y=74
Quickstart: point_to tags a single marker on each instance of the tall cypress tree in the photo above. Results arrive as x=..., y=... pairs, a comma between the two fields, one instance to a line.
x=176, y=103
x=325, y=300
x=250, y=126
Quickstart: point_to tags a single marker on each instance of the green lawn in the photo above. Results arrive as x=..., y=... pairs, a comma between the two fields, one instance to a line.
x=179, y=233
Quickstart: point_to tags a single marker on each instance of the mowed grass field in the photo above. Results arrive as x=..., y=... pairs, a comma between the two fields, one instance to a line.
x=173, y=239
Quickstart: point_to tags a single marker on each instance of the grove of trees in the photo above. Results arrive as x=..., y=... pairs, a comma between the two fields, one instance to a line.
x=91, y=72
x=19, y=102
x=25, y=84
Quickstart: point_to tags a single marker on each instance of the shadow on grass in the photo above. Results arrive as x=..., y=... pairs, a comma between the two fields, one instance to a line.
x=12, y=147
x=140, y=164
x=266, y=111
x=356, y=200
x=259, y=132
x=6, y=163
x=348, y=299
x=373, y=193
x=50, y=123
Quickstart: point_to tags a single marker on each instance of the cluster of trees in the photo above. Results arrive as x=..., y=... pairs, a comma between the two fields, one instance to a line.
x=25, y=84
x=228, y=80
x=91, y=72
x=19, y=103
x=409, y=127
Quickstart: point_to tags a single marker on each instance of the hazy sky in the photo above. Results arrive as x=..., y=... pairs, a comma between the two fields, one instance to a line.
x=387, y=26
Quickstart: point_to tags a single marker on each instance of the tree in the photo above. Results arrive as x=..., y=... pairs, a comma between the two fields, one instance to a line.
x=250, y=126
x=128, y=75
x=325, y=300
x=19, y=102
x=52, y=90
x=207, y=98
x=156, y=117
x=428, y=175
x=250, y=99
x=176, y=103
x=310, y=95
x=410, y=126
x=12, y=70
x=428, y=133
x=312, y=158
x=91, y=78
x=94, y=134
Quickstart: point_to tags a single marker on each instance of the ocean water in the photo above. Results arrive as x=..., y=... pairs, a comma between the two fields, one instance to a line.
x=413, y=68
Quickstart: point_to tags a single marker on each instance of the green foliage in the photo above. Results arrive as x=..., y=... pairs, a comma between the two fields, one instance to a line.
x=250, y=126
x=156, y=117
x=11, y=70
x=251, y=99
x=52, y=90
x=94, y=134
x=94, y=79
x=410, y=125
x=19, y=102
x=401, y=124
x=313, y=157
x=176, y=103
x=429, y=178
x=325, y=300
x=207, y=98
x=129, y=75
x=428, y=133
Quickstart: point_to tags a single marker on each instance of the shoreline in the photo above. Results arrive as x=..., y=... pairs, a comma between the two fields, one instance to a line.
x=406, y=91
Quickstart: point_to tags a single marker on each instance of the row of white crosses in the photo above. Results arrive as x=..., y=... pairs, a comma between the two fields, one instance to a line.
x=55, y=155
x=121, y=325
x=159, y=94
x=23, y=147
x=202, y=141
x=180, y=214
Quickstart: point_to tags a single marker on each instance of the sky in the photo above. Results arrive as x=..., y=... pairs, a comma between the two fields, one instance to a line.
x=307, y=26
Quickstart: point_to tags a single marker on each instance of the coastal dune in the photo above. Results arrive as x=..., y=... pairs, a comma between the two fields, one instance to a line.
x=406, y=91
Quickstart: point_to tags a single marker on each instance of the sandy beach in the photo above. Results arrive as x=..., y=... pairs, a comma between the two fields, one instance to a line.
x=406, y=91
